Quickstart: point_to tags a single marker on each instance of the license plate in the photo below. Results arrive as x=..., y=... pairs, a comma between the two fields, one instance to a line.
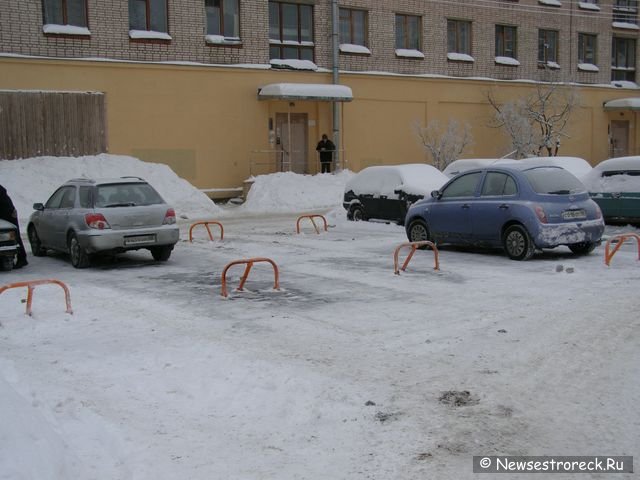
x=137, y=239
x=573, y=214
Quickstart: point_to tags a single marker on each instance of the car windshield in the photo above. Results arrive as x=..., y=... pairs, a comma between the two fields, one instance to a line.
x=126, y=195
x=553, y=181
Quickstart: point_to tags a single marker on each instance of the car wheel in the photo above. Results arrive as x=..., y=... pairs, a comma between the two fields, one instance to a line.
x=582, y=248
x=6, y=263
x=517, y=243
x=79, y=256
x=418, y=231
x=36, y=245
x=356, y=213
x=161, y=254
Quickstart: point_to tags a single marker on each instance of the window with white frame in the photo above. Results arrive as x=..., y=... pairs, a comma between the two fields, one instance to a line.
x=625, y=12
x=623, y=59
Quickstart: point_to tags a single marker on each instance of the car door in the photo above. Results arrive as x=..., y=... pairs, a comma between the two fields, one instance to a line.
x=493, y=207
x=450, y=213
x=55, y=217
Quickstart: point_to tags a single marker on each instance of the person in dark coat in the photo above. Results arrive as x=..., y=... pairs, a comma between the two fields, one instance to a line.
x=8, y=212
x=326, y=149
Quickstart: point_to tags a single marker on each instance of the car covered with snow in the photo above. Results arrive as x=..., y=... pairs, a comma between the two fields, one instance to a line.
x=518, y=207
x=386, y=192
x=89, y=216
x=577, y=166
x=8, y=245
x=614, y=185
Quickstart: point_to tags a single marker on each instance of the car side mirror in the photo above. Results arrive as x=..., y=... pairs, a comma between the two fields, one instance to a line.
x=38, y=206
x=436, y=194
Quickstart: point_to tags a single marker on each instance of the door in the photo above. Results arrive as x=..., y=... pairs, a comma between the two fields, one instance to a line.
x=53, y=220
x=619, y=138
x=493, y=208
x=292, y=142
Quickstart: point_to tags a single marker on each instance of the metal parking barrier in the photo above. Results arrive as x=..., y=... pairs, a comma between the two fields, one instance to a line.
x=311, y=217
x=249, y=264
x=619, y=241
x=206, y=225
x=32, y=284
x=414, y=246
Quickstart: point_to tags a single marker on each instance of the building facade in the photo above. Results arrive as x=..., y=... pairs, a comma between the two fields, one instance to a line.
x=180, y=80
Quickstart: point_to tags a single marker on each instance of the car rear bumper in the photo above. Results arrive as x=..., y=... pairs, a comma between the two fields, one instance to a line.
x=553, y=235
x=130, y=239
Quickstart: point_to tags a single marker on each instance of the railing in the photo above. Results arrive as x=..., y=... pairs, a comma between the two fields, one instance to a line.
x=262, y=162
x=414, y=246
x=311, y=217
x=206, y=225
x=32, y=284
x=619, y=241
x=249, y=263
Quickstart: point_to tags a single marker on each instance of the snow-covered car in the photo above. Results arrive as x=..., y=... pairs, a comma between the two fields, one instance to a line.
x=464, y=164
x=577, y=166
x=88, y=216
x=386, y=192
x=8, y=245
x=614, y=185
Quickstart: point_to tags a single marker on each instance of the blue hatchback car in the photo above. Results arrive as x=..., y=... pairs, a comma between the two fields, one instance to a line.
x=518, y=207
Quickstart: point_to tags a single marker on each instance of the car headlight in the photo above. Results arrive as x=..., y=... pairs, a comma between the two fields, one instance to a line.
x=7, y=236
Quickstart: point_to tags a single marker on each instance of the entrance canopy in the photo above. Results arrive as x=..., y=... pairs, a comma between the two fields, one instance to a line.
x=305, y=91
x=631, y=103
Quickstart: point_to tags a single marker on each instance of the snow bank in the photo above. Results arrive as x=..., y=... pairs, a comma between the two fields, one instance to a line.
x=622, y=182
x=291, y=192
x=33, y=180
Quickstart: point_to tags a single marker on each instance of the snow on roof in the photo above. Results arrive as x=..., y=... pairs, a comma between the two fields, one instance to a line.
x=409, y=53
x=415, y=178
x=507, y=61
x=631, y=103
x=462, y=165
x=33, y=180
x=460, y=57
x=305, y=91
x=588, y=6
x=597, y=183
x=293, y=64
x=149, y=34
x=575, y=165
x=352, y=48
x=65, y=29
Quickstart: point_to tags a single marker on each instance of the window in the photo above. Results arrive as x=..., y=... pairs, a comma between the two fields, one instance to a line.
x=223, y=18
x=625, y=11
x=407, y=32
x=86, y=197
x=65, y=12
x=459, y=36
x=623, y=59
x=464, y=186
x=498, y=184
x=547, y=46
x=587, y=48
x=148, y=15
x=353, y=26
x=290, y=31
x=506, y=41
x=59, y=197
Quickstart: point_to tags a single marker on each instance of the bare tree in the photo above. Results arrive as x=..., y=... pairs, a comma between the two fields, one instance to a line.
x=446, y=145
x=535, y=124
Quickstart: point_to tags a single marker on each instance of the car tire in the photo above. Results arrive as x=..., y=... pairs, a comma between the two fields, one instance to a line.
x=356, y=213
x=79, y=256
x=34, y=240
x=582, y=248
x=517, y=243
x=418, y=231
x=6, y=263
x=161, y=254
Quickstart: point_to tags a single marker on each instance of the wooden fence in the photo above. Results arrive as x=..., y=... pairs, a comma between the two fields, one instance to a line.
x=37, y=123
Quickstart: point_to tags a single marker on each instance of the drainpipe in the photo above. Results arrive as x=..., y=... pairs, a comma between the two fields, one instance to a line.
x=336, y=80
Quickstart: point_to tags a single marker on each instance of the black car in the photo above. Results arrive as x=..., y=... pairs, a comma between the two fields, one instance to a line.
x=8, y=245
x=386, y=192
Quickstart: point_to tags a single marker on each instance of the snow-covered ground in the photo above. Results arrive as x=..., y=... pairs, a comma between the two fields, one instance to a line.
x=338, y=375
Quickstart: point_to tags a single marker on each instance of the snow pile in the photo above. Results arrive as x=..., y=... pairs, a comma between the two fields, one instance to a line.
x=290, y=192
x=626, y=179
x=33, y=180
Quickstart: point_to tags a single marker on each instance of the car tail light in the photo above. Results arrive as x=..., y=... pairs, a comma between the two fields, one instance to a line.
x=540, y=214
x=97, y=221
x=169, y=217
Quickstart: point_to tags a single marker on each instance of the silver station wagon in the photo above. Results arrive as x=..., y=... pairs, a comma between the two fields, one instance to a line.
x=89, y=216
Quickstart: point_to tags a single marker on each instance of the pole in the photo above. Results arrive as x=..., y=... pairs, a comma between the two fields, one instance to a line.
x=336, y=77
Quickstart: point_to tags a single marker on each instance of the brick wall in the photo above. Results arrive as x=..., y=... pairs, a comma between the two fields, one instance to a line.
x=21, y=33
